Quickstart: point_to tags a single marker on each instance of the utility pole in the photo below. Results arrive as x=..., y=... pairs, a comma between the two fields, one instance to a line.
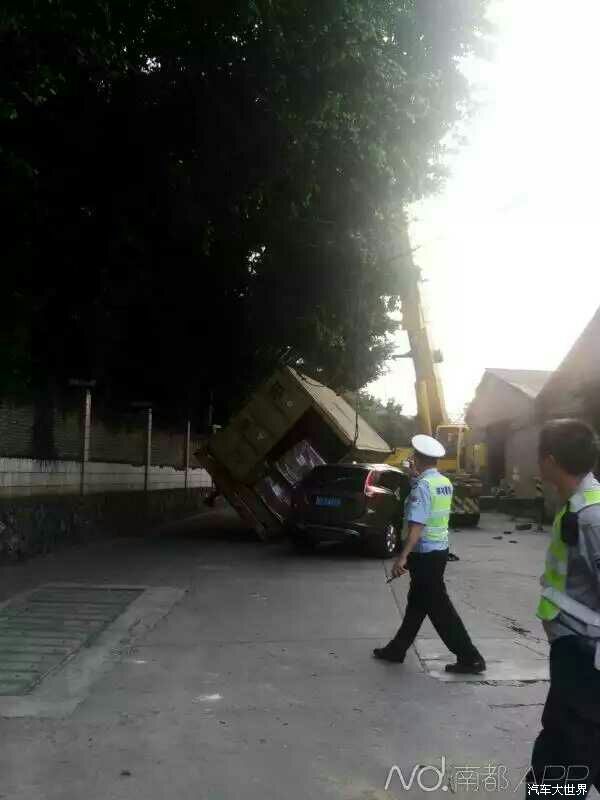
x=86, y=419
x=211, y=410
x=146, y=405
x=186, y=454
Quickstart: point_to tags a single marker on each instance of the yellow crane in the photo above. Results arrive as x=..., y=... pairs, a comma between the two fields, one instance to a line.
x=463, y=458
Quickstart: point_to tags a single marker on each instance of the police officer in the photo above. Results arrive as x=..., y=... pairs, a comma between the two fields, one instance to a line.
x=567, y=751
x=424, y=555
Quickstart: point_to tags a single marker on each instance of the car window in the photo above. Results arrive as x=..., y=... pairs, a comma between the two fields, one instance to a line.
x=349, y=479
x=390, y=480
x=449, y=438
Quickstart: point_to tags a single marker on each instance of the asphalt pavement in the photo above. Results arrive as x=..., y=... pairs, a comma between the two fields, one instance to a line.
x=256, y=680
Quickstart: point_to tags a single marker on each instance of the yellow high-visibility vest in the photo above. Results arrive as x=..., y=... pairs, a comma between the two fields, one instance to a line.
x=557, y=559
x=436, y=527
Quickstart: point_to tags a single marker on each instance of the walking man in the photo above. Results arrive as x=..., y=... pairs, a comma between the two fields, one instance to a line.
x=424, y=555
x=567, y=751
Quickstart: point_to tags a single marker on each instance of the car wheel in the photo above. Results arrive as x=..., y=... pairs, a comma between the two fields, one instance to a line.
x=384, y=544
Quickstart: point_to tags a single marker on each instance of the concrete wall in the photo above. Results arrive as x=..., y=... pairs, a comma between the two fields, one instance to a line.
x=495, y=411
x=21, y=477
x=521, y=460
x=578, y=375
x=496, y=401
x=42, y=505
x=522, y=471
x=41, y=508
x=33, y=525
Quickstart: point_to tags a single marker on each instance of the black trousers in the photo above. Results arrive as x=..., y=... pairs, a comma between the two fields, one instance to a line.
x=427, y=597
x=567, y=751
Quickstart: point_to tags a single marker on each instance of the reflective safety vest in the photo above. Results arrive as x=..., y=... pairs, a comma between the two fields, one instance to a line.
x=554, y=595
x=436, y=527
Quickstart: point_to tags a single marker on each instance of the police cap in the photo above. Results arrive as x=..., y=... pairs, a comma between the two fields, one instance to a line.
x=428, y=446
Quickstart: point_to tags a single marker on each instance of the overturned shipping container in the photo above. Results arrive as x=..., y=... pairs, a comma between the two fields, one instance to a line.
x=291, y=424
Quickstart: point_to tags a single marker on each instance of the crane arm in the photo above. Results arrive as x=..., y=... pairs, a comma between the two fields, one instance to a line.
x=431, y=407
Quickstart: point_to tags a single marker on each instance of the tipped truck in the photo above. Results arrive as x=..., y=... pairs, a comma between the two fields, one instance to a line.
x=290, y=425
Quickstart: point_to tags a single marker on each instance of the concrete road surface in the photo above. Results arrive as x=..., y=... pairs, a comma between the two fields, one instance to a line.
x=259, y=683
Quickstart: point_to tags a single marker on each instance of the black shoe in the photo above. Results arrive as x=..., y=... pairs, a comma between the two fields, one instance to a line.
x=389, y=653
x=467, y=667
x=452, y=557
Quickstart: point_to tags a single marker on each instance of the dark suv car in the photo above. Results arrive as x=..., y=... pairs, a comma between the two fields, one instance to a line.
x=360, y=502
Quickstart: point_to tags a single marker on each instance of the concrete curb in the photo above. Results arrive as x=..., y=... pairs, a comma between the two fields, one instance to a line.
x=59, y=694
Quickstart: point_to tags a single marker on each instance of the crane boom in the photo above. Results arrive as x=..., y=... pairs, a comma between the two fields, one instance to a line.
x=431, y=406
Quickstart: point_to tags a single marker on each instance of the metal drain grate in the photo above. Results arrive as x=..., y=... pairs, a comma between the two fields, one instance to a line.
x=40, y=631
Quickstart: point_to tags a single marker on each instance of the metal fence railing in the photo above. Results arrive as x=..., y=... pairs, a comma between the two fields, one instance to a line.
x=16, y=429
x=81, y=449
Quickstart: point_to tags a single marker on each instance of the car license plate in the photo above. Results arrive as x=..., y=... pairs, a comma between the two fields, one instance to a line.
x=329, y=502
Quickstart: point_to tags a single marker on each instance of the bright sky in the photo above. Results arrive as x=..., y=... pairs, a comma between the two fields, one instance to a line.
x=509, y=248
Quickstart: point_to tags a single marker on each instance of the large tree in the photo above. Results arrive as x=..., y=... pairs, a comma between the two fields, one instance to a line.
x=386, y=418
x=196, y=192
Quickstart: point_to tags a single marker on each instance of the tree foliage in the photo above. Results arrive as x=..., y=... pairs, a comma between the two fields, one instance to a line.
x=195, y=192
x=386, y=418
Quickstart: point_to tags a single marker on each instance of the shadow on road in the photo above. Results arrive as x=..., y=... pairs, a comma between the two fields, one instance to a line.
x=222, y=525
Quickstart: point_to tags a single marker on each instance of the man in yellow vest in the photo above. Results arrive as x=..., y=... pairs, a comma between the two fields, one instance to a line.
x=425, y=554
x=567, y=751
